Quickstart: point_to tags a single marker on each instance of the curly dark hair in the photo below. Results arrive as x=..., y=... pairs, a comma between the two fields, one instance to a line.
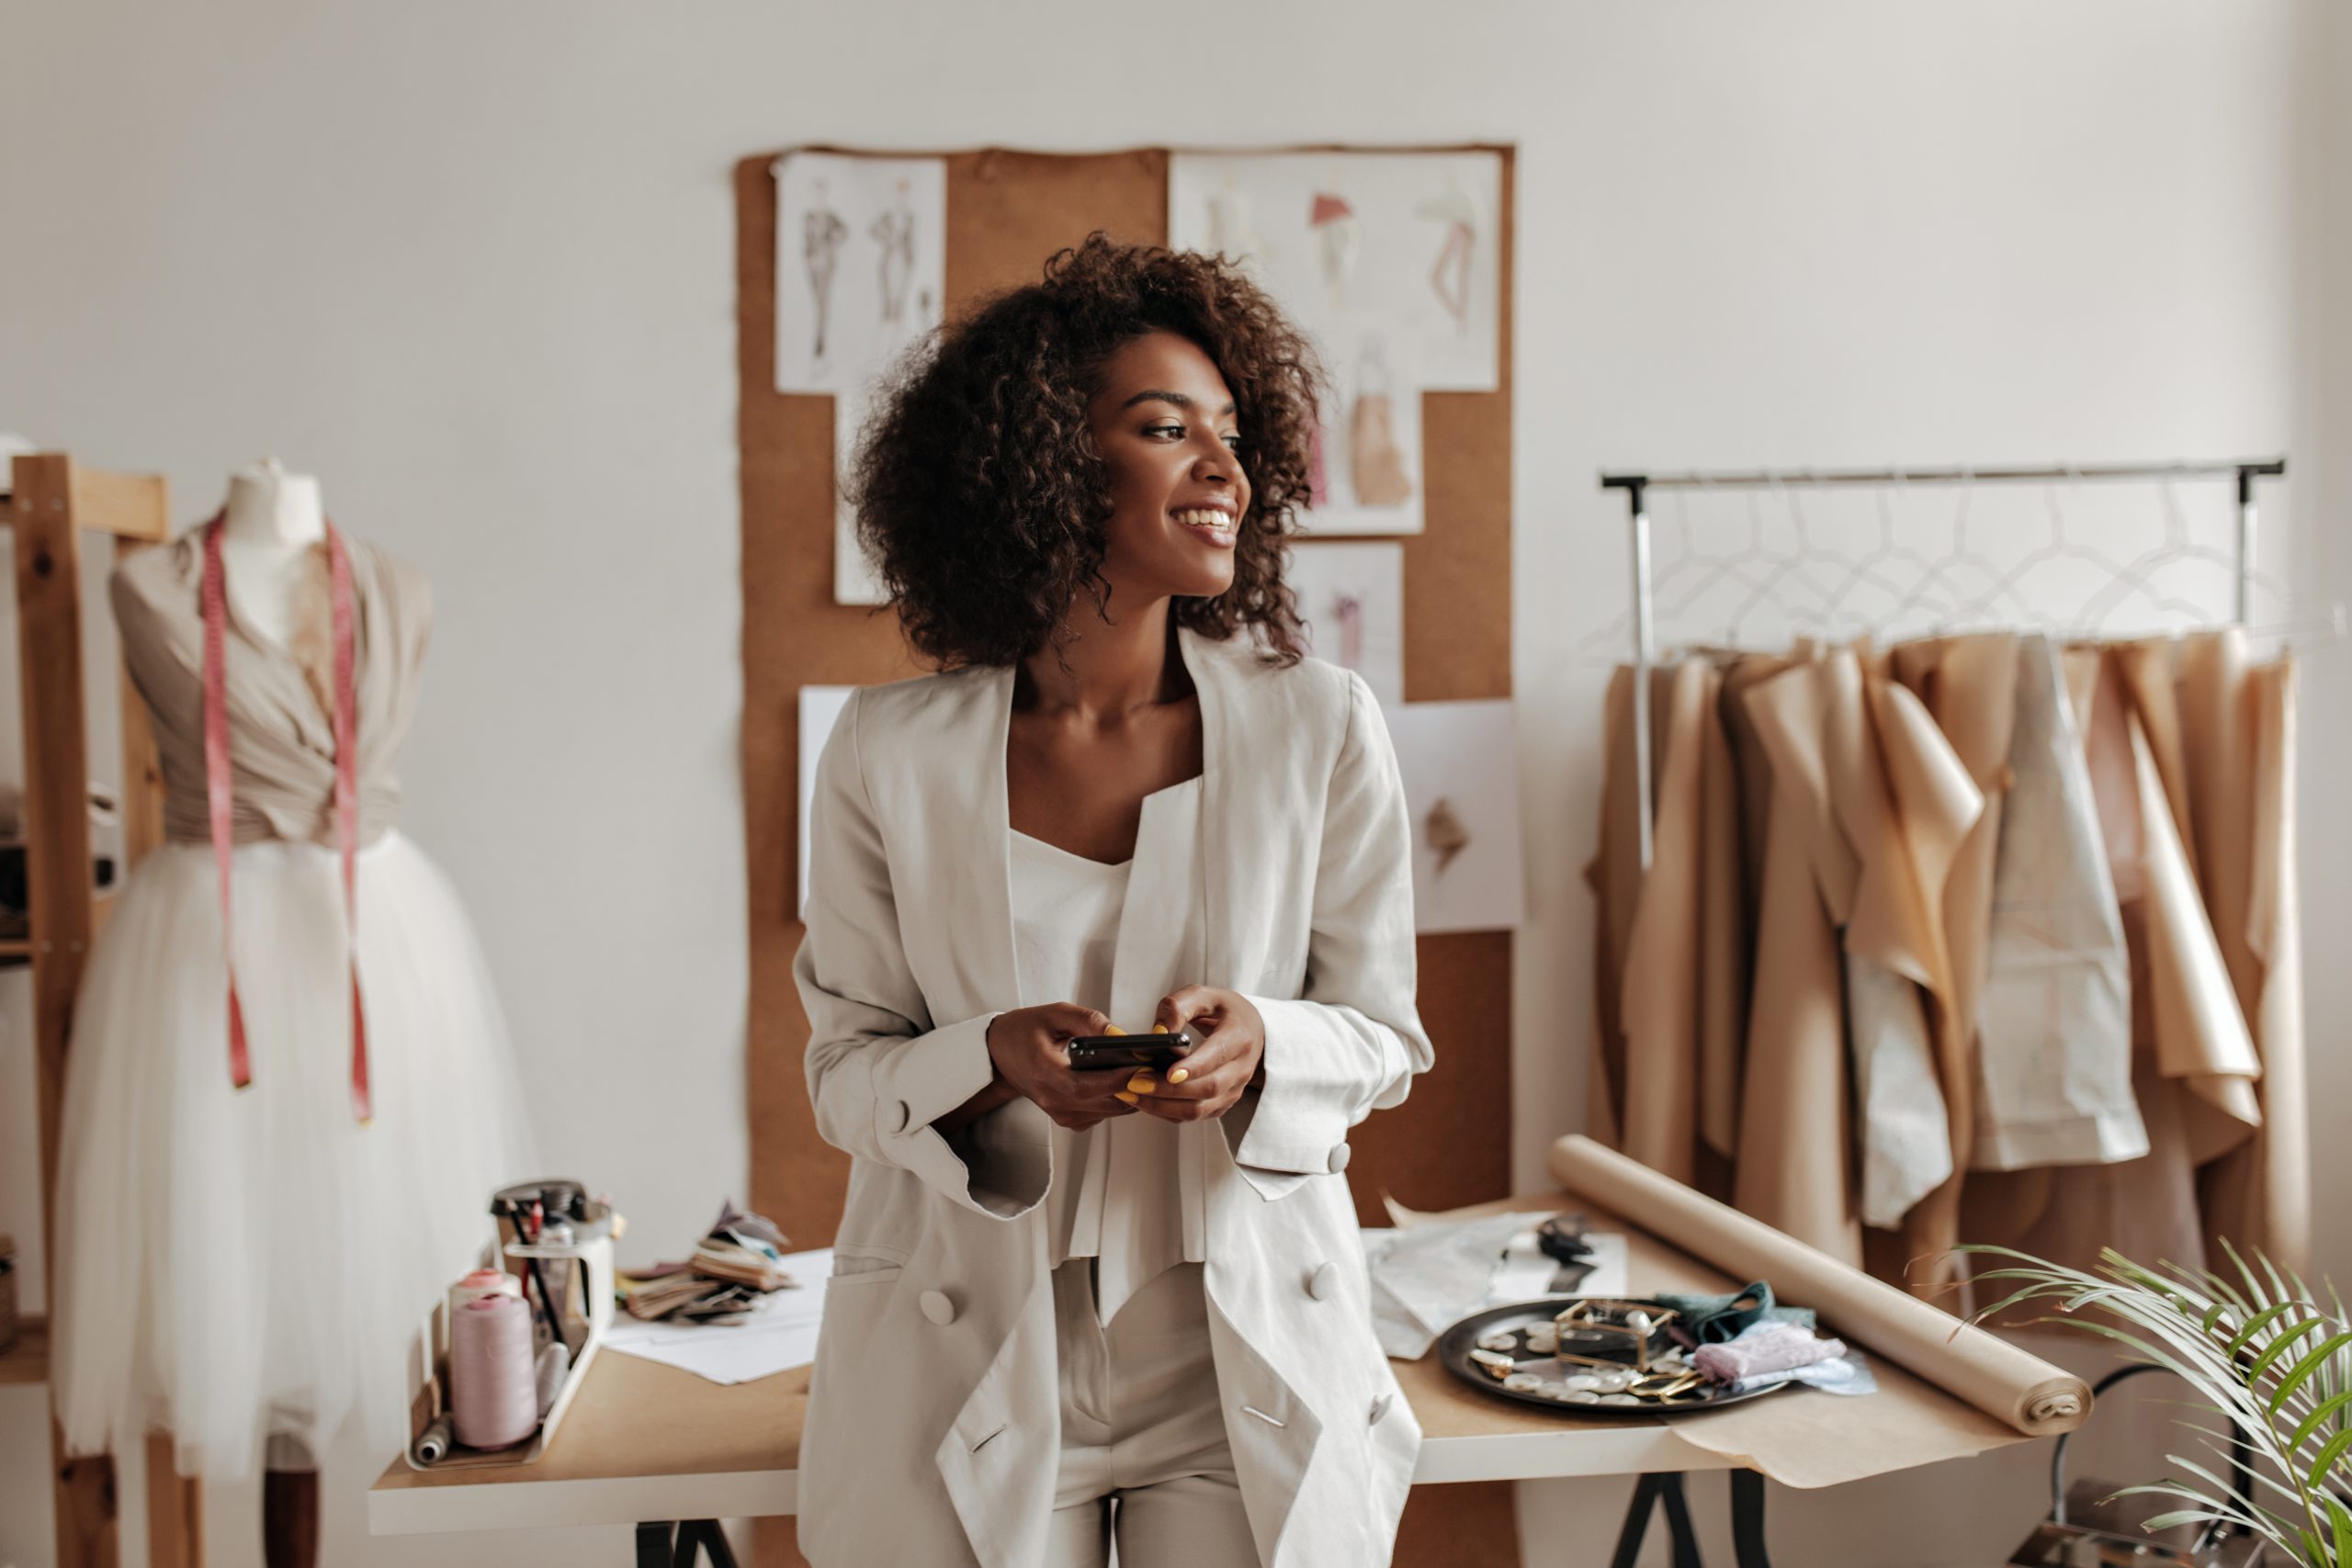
x=982, y=497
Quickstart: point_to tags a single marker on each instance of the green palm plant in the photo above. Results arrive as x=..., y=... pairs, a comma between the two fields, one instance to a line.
x=2261, y=1352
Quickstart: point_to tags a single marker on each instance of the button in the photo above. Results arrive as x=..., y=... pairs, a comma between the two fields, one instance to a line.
x=1324, y=1283
x=1380, y=1408
x=937, y=1307
x=1338, y=1160
x=906, y=1114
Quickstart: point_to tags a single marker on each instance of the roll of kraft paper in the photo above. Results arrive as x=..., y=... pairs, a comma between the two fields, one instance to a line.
x=1967, y=1363
x=493, y=1395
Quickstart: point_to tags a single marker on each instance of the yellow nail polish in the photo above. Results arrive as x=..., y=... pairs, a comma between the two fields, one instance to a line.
x=1123, y=1094
x=1112, y=1029
x=1177, y=1075
x=1159, y=1029
x=1141, y=1084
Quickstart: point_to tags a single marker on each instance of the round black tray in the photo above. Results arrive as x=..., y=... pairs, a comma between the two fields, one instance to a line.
x=1454, y=1348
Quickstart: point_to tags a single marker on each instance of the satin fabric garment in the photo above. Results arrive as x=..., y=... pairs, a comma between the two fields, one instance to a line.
x=1083, y=935
x=929, y=1436
x=281, y=732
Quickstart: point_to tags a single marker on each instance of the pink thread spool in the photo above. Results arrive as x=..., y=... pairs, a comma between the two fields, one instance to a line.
x=493, y=1397
x=480, y=1282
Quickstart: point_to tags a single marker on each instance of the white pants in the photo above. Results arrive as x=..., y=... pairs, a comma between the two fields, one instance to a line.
x=1144, y=1456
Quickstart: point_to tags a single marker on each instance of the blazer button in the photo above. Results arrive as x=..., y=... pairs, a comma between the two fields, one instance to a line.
x=937, y=1307
x=906, y=1114
x=1338, y=1160
x=1379, y=1408
x=1324, y=1283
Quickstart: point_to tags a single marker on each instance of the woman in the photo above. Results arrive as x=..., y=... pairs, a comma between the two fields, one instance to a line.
x=1069, y=1305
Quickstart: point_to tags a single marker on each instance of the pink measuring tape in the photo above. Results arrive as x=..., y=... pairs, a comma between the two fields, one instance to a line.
x=346, y=788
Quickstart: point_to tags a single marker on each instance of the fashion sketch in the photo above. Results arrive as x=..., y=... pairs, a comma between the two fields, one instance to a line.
x=823, y=234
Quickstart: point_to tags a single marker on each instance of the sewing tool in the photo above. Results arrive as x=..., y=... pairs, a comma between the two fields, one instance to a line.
x=494, y=1400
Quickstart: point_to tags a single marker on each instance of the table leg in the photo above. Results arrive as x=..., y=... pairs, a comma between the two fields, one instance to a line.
x=1652, y=1492
x=669, y=1544
x=1748, y=1519
x=1637, y=1522
x=1678, y=1520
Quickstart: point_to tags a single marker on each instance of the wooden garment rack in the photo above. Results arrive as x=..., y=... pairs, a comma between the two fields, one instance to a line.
x=54, y=501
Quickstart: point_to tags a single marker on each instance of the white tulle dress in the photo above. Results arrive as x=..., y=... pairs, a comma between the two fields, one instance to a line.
x=235, y=1264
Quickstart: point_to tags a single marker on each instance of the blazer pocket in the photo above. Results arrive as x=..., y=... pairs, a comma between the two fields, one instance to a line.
x=864, y=1266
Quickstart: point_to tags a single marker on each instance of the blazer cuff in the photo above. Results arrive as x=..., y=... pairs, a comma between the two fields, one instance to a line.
x=923, y=1080
x=1295, y=1124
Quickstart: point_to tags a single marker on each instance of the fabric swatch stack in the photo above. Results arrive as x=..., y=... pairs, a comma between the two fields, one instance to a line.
x=739, y=1260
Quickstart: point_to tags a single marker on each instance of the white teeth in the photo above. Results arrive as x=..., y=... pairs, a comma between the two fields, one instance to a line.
x=1207, y=517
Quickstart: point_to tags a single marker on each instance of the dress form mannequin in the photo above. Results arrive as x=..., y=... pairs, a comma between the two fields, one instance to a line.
x=273, y=522
x=305, y=1188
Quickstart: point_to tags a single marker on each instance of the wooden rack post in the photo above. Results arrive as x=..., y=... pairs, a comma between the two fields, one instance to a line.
x=54, y=500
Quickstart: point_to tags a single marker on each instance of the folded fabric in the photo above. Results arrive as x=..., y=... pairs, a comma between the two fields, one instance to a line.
x=1848, y=1374
x=1712, y=1320
x=1764, y=1348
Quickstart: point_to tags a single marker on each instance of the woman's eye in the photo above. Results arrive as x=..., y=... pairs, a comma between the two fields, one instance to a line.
x=1233, y=441
x=1165, y=429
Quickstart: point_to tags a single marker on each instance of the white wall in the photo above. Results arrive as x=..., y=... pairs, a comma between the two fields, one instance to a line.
x=474, y=266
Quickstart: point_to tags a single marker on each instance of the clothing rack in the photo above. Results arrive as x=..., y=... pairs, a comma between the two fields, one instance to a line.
x=1636, y=486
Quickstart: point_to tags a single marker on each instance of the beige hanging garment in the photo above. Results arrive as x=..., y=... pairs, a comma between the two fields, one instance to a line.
x=2054, y=1042
x=1616, y=878
x=1671, y=1011
x=1900, y=802
x=1724, y=948
x=2238, y=724
x=1968, y=686
x=2200, y=1032
x=1660, y=993
x=2193, y=1062
x=1794, y=1170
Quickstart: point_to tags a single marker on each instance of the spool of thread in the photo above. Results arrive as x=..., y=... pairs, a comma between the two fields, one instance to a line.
x=482, y=1283
x=555, y=1361
x=493, y=1396
x=435, y=1444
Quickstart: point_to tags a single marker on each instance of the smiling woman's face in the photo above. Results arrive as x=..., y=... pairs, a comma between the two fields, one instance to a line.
x=1164, y=422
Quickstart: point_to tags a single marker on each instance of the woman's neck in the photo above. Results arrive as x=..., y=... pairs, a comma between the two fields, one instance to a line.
x=1115, y=668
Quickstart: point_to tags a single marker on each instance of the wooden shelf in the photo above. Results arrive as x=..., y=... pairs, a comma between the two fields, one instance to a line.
x=29, y=1363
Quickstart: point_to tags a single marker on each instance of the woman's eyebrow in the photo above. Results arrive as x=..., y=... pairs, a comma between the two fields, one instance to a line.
x=1179, y=399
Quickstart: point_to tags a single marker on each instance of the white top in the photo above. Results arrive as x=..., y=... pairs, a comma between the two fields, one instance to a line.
x=1115, y=1194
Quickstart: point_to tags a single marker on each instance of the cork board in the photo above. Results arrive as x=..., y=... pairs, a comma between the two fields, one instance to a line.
x=1007, y=211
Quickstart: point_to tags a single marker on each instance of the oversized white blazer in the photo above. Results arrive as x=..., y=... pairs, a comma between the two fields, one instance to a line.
x=933, y=1422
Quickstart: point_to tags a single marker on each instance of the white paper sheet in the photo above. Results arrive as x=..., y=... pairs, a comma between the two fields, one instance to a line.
x=860, y=265
x=781, y=1335
x=854, y=580
x=1353, y=598
x=1460, y=763
x=1403, y=242
x=821, y=708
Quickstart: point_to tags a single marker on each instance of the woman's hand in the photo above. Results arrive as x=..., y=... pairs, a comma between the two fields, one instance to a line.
x=1214, y=1072
x=1028, y=1047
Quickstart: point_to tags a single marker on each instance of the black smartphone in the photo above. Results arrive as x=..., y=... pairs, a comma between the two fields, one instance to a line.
x=1157, y=1052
